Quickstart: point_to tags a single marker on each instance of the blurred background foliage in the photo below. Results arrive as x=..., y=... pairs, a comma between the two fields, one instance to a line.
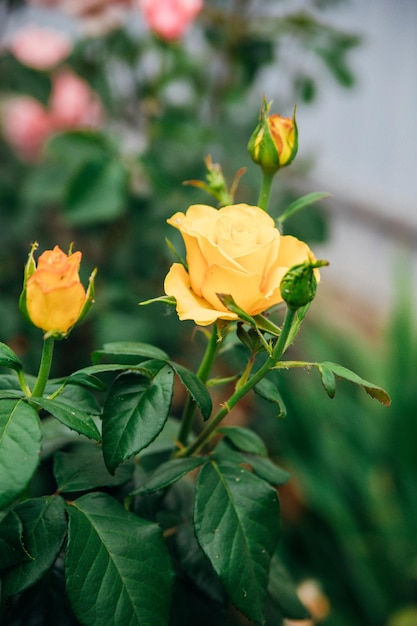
x=350, y=508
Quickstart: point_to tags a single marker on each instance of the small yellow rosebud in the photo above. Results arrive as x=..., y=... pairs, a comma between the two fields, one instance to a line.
x=274, y=142
x=53, y=297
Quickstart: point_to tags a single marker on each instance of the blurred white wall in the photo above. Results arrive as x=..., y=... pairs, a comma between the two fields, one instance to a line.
x=365, y=142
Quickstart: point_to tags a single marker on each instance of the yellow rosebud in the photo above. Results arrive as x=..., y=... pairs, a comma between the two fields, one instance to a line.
x=237, y=251
x=53, y=297
x=274, y=142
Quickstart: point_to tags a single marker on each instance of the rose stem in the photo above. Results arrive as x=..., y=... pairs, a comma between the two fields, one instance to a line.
x=44, y=367
x=267, y=178
x=277, y=352
x=202, y=373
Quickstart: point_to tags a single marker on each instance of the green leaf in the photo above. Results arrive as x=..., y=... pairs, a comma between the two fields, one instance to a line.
x=268, y=470
x=97, y=192
x=70, y=416
x=117, y=566
x=84, y=469
x=283, y=594
x=196, y=388
x=269, y=391
x=44, y=528
x=6, y=394
x=302, y=203
x=20, y=444
x=229, y=303
x=79, y=146
x=236, y=509
x=8, y=358
x=244, y=439
x=85, y=379
x=55, y=436
x=130, y=348
x=342, y=372
x=81, y=397
x=12, y=549
x=327, y=369
x=168, y=473
x=134, y=413
x=328, y=379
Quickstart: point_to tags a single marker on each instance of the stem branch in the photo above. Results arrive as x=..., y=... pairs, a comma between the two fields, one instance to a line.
x=242, y=390
x=202, y=373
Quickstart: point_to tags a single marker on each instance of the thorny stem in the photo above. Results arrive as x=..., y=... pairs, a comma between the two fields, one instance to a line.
x=242, y=390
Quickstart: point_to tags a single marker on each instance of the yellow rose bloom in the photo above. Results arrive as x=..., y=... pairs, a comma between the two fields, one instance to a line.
x=237, y=251
x=55, y=296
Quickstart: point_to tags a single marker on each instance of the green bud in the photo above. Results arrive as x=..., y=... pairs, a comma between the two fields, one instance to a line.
x=299, y=284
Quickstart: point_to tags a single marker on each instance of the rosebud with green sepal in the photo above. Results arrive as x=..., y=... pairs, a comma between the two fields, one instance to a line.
x=274, y=142
x=53, y=297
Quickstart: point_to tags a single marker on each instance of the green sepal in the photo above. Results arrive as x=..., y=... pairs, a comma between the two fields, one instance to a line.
x=165, y=299
x=229, y=302
x=30, y=268
x=89, y=297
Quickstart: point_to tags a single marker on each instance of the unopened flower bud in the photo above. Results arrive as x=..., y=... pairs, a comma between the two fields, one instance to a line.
x=53, y=297
x=274, y=142
x=299, y=284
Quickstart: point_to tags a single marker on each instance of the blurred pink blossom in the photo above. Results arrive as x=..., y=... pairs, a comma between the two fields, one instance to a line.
x=73, y=104
x=40, y=48
x=170, y=18
x=26, y=126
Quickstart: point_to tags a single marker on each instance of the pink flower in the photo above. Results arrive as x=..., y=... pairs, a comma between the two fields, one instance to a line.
x=40, y=48
x=170, y=18
x=26, y=126
x=73, y=104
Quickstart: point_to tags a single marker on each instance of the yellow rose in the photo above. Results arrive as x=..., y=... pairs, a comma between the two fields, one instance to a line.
x=236, y=250
x=54, y=295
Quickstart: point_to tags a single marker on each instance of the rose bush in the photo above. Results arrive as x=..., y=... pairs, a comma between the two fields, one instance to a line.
x=54, y=297
x=237, y=251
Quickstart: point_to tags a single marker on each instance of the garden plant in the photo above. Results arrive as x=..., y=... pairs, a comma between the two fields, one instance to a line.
x=153, y=283
x=127, y=495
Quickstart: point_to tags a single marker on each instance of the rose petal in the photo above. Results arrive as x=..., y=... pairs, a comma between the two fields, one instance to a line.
x=189, y=306
x=244, y=289
x=292, y=251
x=55, y=310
